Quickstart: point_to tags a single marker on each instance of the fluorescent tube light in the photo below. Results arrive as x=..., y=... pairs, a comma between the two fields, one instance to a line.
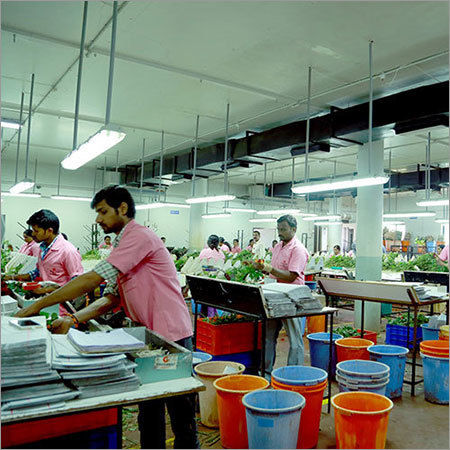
x=269, y=212
x=272, y=220
x=442, y=202
x=23, y=194
x=21, y=186
x=210, y=199
x=300, y=213
x=326, y=222
x=64, y=197
x=10, y=124
x=408, y=214
x=322, y=218
x=337, y=184
x=247, y=210
x=155, y=205
x=393, y=222
x=441, y=220
x=97, y=144
x=216, y=216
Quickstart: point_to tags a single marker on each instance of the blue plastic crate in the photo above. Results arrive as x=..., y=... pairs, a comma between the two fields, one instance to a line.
x=398, y=335
x=250, y=360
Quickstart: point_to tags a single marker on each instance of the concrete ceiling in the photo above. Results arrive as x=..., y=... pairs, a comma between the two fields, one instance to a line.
x=175, y=60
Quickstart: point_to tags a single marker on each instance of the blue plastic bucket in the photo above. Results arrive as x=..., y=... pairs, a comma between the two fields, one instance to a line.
x=435, y=379
x=374, y=387
x=299, y=375
x=393, y=356
x=273, y=418
x=311, y=284
x=200, y=357
x=319, y=350
x=359, y=369
x=429, y=334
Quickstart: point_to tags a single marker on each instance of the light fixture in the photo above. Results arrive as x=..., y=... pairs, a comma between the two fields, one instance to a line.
x=104, y=139
x=246, y=210
x=441, y=202
x=268, y=220
x=326, y=222
x=22, y=194
x=335, y=217
x=393, y=222
x=21, y=186
x=156, y=205
x=216, y=216
x=441, y=220
x=278, y=211
x=64, y=197
x=408, y=214
x=210, y=199
x=337, y=184
x=7, y=123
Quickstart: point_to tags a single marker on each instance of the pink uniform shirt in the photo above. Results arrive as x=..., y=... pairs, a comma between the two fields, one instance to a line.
x=224, y=248
x=148, y=285
x=62, y=262
x=444, y=254
x=293, y=256
x=236, y=249
x=30, y=248
x=208, y=253
x=105, y=245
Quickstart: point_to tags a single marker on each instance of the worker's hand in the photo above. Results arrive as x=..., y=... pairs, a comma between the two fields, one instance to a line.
x=44, y=290
x=258, y=265
x=435, y=255
x=61, y=325
x=7, y=277
x=29, y=311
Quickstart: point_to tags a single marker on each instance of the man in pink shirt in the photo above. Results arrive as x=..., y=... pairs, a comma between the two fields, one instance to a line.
x=142, y=279
x=236, y=248
x=30, y=247
x=212, y=250
x=289, y=259
x=442, y=258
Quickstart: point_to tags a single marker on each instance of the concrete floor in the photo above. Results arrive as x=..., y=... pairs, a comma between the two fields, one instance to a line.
x=413, y=423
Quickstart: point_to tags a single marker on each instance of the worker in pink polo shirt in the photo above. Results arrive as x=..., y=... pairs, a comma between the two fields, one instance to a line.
x=289, y=259
x=442, y=258
x=30, y=247
x=236, y=249
x=142, y=279
x=212, y=250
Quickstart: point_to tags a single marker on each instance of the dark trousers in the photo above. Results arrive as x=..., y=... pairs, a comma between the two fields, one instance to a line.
x=181, y=408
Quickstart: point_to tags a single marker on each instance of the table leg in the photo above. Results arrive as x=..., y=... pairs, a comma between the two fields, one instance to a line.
x=413, y=375
x=119, y=427
x=362, y=318
x=263, y=347
x=330, y=358
x=195, y=326
x=255, y=345
x=446, y=312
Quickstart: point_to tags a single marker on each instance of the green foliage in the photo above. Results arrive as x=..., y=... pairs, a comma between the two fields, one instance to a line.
x=48, y=317
x=6, y=257
x=347, y=331
x=226, y=318
x=245, y=255
x=91, y=254
x=402, y=319
x=244, y=273
x=341, y=261
x=427, y=262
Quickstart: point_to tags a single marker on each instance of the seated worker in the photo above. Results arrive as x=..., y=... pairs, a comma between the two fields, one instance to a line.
x=442, y=258
x=106, y=244
x=274, y=242
x=336, y=250
x=251, y=242
x=143, y=280
x=223, y=245
x=30, y=247
x=236, y=249
x=212, y=250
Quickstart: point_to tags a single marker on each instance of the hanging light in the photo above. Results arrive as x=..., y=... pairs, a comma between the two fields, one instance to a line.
x=67, y=197
x=442, y=202
x=210, y=199
x=269, y=212
x=244, y=210
x=393, y=222
x=441, y=221
x=335, y=217
x=216, y=216
x=8, y=123
x=408, y=214
x=268, y=220
x=21, y=194
x=156, y=205
x=326, y=222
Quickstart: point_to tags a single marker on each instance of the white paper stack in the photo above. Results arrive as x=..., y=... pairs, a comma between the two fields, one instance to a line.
x=9, y=305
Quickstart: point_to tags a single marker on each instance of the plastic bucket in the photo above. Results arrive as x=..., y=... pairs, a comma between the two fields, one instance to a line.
x=361, y=419
x=352, y=348
x=437, y=348
x=375, y=387
x=365, y=371
x=273, y=418
x=200, y=357
x=319, y=350
x=232, y=421
x=393, y=356
x=311, y=383
x=443, y=332
x=209, y=372
x=311, y=284
x=435, y=378
x=429, y=334
x=315, y=324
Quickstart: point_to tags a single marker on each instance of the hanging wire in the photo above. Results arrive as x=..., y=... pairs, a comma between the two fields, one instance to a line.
x=18, y=138
x=35, y=175
x=195, y=156
x=29, y=126
x=370, y=106
x=308, y=108
x=389, y=188
x=142, y=169
x=161, y=156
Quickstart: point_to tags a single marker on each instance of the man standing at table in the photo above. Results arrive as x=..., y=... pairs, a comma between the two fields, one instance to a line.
x=289, y=258
x=143, y=280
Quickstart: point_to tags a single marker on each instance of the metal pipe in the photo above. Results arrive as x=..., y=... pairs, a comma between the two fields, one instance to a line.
x=35, y=174
x=292, y=182
x=264, y=188
x=308, y=106
x=80, y=69
x=142, y=168
x=370, y=106
x=117, y=161
x=389, y=188
x=18, y=138
x=111, y=64
x=195, y=156
x=104, y=174
x=161, y=164
x=429, y=165
x=59, y=180
x=95, y=177
x=29, y=126
x=225, y=170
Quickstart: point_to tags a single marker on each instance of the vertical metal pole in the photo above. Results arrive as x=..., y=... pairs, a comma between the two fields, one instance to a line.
x=142, y=167
x=161, y=165
x=225, y=170
x=104, y=174
x=389, y=189
x=95, y=177
x=292, y=183
x=35, y=173
x=59, y=180
x=308, y=106
x=428, y=167
x=195, y=156
x=111, y=64
x=264, y=189
x=370, y=106
x=117, y=161
x=80, y=69
x=29, y=126
x=19, y=132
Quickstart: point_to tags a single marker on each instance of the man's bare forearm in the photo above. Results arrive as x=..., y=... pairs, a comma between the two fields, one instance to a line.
x=283, y=275
x=97, y=308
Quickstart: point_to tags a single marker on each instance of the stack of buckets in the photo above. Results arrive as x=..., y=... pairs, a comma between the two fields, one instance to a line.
x=362, y=375
x=310, y=382
x=443, y=332
x=435, y=355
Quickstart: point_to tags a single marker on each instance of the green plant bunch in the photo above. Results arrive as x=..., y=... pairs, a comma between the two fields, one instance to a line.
x=347, y=331
x=340, y=261
x=427, y=262
x=92, y=254
x=49, y=317
x=244, y=274
x=225, y=319
x=245, y=255
x=6, y=257
x=402, y=319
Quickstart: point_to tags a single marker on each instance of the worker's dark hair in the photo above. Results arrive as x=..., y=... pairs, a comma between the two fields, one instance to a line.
x=28, y=232
x=44, y=219
x=338, y=247
x=228, y=245
x=213, y=241
x=64, y=235
x=276, y=242
x=250, y=241
x=236, y=240
x=221, y=240
x=257, y=232
x=114, y=196
x=291, y=220
x=108, y=236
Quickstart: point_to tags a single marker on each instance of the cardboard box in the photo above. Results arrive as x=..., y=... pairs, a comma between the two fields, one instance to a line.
x=177, y=364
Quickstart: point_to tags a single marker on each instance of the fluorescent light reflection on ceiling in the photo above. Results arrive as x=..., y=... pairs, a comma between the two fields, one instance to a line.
x=336, y=184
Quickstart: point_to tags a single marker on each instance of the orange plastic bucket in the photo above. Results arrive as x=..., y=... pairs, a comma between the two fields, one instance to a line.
x=308, y=434
x=315, y=324
x=352, y=348
x=438, y=348
x=443, y=332
x=361, y=419
x=232, y=421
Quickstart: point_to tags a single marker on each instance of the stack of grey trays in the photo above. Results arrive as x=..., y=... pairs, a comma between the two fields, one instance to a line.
x=283, y=300
x=93, y=374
